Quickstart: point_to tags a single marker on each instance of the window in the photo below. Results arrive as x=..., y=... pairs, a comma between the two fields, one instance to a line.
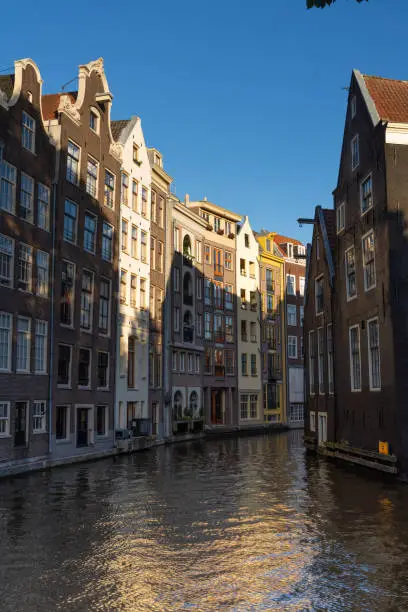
x=253, y=332
x=25, y=268
x=176, y=319
x=86, y=300
x=70, y=221
x=269, y=303
x=289, y=249
x=27, y=198
x=135, y=191
x=292, y=347
x=353, y=104
x=207, y=254
x=366, y=194
x=207, y=292
x=320, y=362
x=40, y=347
x=369, y=261
x=124, y=235
x=103, y=367
x=133, y=247
x=229, y=362
x=174, y=361
x=207, y=326
x=290, y=284
x=124, y=189
x=253, y=365
x=228, y=229
x=6, y=323
x=160, y=216
x=199, y=324
x=73, y=163
x=144, y=201
x=228, y=260
x=92, y=177
x=62, y=429
x=133, y=290
x=244, y=406
x=84, y=367
x=218, y=267
x=312, y=416
x=229, y=329
x=228, y=298
x=246, y=238
x=136, y=154
x=176, y=239
x=244, y=364
x=244, y=336
x=4, y=419
x=208, y=361
x=270, y=286
x=90, y=232
x=6, y=261
x=93, y=121
x=330, y=358
x=355, y=153
x=43, y=207
x=319, y=301
x=153, y=206
x=42, y=274
x=131, y=362
x=190, y=362
x=242, y=267
x=176, y=279
x=197, y=364
x=28, y=132
x=23, y=344
x=199, y=288
x=143, y=240
x=67, y=293
x=217, y=224
x=101, y=420
x=64, y=365
x=219, y=368
x=123, y=286
x=312, y=362
x=374, y=354
x=252, y=269
x=243, y=299
x=198, y=251
x=219, y=328
x=253, y=406
x=39, y=416
x=159, y=258
x=104, y=306
x=292, y=315
x=8, y=187
x=143, y=303
x=107, y=241
x=340, y=217
x=109, y=189
x=268, y=245
x=218, y=295
x=355, y=363
x=253, y=300
x=182, y=362
x=302, y=286
x=302, y=315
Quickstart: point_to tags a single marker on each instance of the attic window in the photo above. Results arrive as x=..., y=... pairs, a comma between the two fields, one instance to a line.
x=247, y=240
x=289, y=248
x=353, y=107
x=158, y=160
x=136, y=154
x=93, y=121
x=29, y=96
x=268, y=245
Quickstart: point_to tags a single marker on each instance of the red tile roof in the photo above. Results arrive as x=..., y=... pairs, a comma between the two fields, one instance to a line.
x=284, y=239
x=390, y=97
x=50, y=103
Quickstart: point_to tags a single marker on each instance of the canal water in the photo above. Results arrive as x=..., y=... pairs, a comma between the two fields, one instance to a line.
x=233, y=524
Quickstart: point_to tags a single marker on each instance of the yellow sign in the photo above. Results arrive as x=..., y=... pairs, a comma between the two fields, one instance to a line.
x=383, y=448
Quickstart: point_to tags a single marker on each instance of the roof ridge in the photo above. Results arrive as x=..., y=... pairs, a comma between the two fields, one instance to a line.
x=381, y=78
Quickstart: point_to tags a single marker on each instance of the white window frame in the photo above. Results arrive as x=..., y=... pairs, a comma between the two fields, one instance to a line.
x=25, y=370
x=39, y=291
x=95, y=219
x=197, y=364
x=8, y=173
x=92, y=178
x=366, y=287
x=355, y=162
x=109, y=302
x=6, y=433
x=75, y=237
x=10, y=279
x=43, y=416
x=182, y=362
x=290, y=276
x=354, y=389
x=45, y=348
x=340, y=217
x=43, y=190
x=365, y=179
x=112, y=239
x=69, y=175
x=9, y=316
x=291, y=310
x=370, y=364
x=30, y=181
x=25, y=126
x=348, y=296
x=312, y=418
x=301, y=286
x=320, y=359
x=29, y=260
x=292, y=342
x=321, y=431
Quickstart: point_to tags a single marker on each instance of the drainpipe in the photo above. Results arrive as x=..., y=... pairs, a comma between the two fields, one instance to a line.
x=51, y=335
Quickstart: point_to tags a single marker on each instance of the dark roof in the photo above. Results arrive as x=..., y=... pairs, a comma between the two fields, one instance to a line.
x=7, y=84
x=50, y=103
x=330, y=222
x=118, y=126
x=389, y=96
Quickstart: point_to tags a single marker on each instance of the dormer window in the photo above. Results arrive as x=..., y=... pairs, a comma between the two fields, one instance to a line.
x=158, y=159
x=94, y=121
x=353, y=107
x=268, y=245
x=289, y=249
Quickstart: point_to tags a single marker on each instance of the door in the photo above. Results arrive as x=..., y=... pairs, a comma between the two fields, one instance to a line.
x=82, y=427
x=20, y=424
x=216, y=408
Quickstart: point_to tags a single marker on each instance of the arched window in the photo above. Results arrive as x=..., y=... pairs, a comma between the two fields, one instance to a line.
x=188, y=331
x=177, y=406
x=193, y=404
x=187, y=289
x=187, y=246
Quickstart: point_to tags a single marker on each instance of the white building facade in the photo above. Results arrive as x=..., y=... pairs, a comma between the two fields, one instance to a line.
x=248, y=327
x=131, y=400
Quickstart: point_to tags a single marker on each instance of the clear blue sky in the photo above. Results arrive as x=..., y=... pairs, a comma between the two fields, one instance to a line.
x=244, y=99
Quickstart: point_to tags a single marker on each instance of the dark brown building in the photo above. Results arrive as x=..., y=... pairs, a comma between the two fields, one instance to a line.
x=26, y=219
x=86, y=260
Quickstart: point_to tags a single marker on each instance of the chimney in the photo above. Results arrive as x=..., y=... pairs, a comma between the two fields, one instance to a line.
x=186, y=199
x=205, y=199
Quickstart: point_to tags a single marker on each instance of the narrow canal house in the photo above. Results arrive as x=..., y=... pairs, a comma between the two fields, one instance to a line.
x=132, y=351
x=220, y=309
x=273, y=348
x=160, y=414
x=184, y=318
x=371, y=278
x=27, y=160
x=86, y=265
x=248, y=327
x=320, y=417
x=294, y=253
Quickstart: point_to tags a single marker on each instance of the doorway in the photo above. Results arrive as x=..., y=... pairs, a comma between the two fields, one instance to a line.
x=20, y=424
x=217, y=415
x=82, y=427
